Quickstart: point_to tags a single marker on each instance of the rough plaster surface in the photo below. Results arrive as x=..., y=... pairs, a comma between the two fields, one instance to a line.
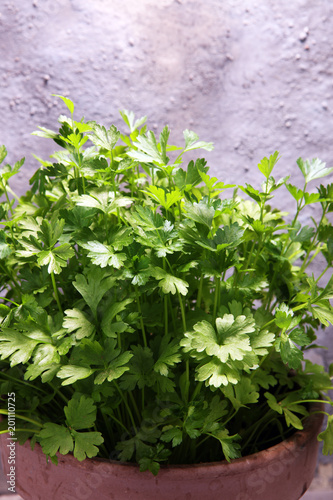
x=252, y=76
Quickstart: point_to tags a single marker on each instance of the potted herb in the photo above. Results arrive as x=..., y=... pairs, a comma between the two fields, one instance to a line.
x=153, y=314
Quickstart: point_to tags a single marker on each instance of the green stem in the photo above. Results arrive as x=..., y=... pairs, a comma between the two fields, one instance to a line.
x=135, y=406
x=311, y=247
x=165, y=300
x=60, y=394
x=7, y=198
x=141, y=318
x=20, y=430
x=11, y=301
x=55, y=289
x=187, y=363
x=182, y=309
x=130, y=414
x=12, y=193
x=324, y=271
x=18, y=381
x=119, y=423
x=216, y=297
x=199, y=297
x=21, y=417
x=196, y=390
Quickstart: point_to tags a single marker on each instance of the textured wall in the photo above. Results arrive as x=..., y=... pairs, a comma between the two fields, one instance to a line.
x=251, y=75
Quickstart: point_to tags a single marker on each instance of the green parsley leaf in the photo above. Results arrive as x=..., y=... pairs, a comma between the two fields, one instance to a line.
x=80, y=413
x=169, y=283
x=86, y=444
x=192, y=142
x=327, y=436
x=77, y=321
x=54, y=438
x=16, y=345
x=313, y=169
x=72, y=373
x=93, y=286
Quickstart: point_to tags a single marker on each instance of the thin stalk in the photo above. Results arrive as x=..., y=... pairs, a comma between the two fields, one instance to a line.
x=119, y=423
x=324, y=271
x=20, y=430
x=187, y=363
x=216, y=297
x=11, y=301
x=182, y=309
x=55, y=289
x=141, y=318
x=18, y=381
x=135, y=406
x=165, y=300
x=173, y=319
x=196, y=390
x=166, y=325
x=21, y=417
x=7, y=198
x=12, y=193
x=60, y=394
x=199, y=297
x=130, y=414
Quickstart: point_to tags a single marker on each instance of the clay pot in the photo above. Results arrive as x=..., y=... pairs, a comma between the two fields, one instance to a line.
x=284, y=471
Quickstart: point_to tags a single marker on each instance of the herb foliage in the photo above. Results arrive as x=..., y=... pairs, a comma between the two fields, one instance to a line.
x=149, y=313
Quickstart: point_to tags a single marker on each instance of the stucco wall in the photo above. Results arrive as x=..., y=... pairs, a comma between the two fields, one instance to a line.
x=252, y=76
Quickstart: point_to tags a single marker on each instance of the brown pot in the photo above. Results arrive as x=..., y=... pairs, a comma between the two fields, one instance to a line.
x=284, y=471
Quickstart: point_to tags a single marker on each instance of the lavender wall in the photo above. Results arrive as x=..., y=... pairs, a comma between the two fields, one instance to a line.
x=251, y=75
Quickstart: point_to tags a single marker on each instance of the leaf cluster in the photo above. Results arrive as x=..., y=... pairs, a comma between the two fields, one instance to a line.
x=148, y=312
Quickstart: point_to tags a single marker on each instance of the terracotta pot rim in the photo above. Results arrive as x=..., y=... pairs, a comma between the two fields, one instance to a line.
x=297, y=441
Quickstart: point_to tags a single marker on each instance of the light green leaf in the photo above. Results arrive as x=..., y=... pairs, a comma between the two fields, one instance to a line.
x=267, y=164
x=72, y=373
x=16, y=345
x=3, y=153
x=292, y=419
x=169, y=283
x=86, y=444
x=148, y=151
x=77, y=321
x=324, y=314
x=230, y=341
x=5, y=249
x=327, y=437
x=162, y=197
x=294, y=191
x=55, y=259
x=106, y=139
x=106, y=201
x=67, y=101
x=200, y=212
x=272, y=403
x=230, y=449
x=128, y=117
x=192, y=142
x=216, y=373
x=313, y=169
x=104, y=255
